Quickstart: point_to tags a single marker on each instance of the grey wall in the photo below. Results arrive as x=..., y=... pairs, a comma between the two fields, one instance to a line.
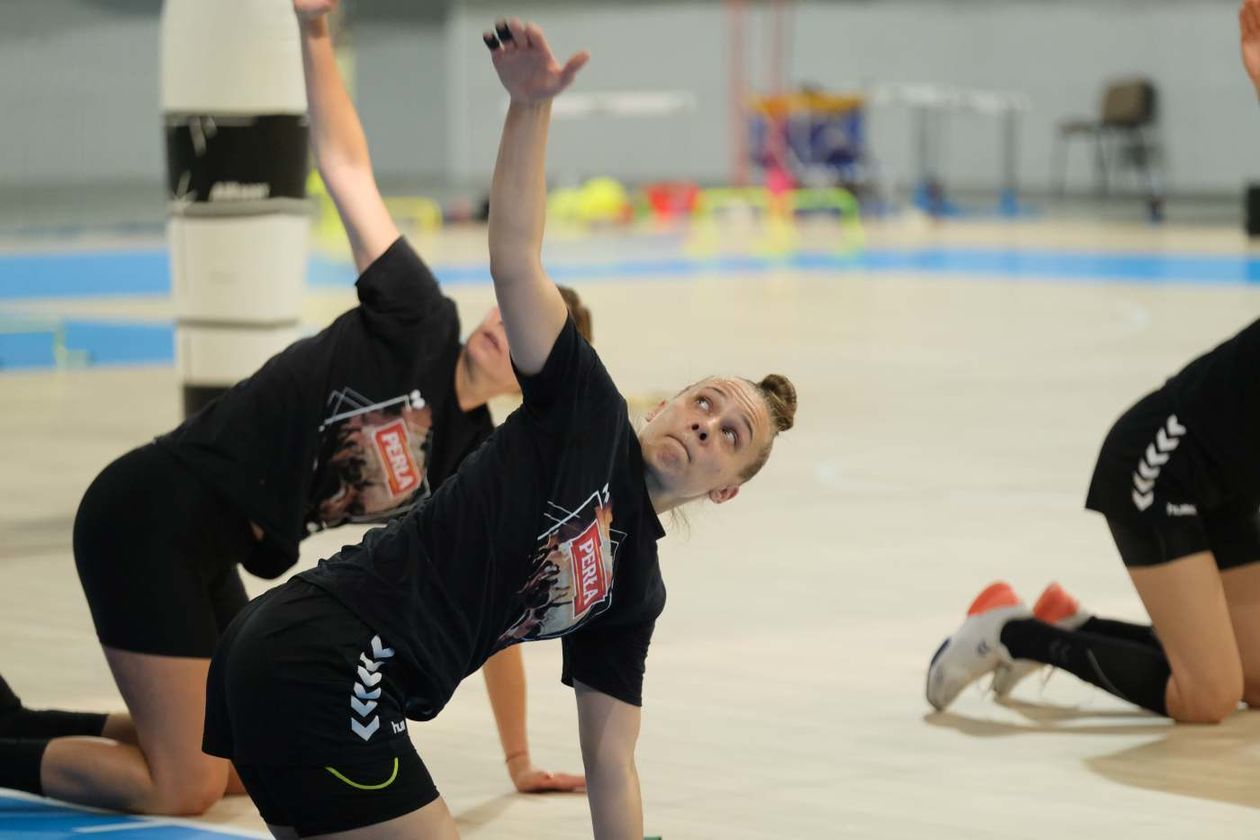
x=79, y=87
x=654, y=47
x=79, y=92
x=1058, y=53
x=400, y=83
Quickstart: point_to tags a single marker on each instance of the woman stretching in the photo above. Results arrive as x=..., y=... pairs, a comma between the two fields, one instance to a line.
x=356, y=424
x=548, y=530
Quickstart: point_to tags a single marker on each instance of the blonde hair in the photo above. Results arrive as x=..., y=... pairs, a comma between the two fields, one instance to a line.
x=780, y=397
x=579, y=312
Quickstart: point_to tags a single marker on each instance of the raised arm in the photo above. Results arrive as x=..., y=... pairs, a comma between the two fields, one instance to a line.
x=341, y=150
x=1249, y=25
x=609, y=729
x=533, y=311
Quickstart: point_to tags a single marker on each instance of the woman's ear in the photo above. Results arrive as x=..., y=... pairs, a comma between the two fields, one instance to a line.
x=660, y=406
x=723, y=494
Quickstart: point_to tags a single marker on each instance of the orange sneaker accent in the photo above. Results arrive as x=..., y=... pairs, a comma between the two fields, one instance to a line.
x=1055, y=604
x=995, y=595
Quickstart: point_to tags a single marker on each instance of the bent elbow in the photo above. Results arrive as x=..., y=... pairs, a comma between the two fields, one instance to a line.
x=509, y=266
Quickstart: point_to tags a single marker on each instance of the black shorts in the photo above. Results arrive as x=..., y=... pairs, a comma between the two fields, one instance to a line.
x=157, y=551
x=315, y=800
x=301, y=687
x=1160, y=495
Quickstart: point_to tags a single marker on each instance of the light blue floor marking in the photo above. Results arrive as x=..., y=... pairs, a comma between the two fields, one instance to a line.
x=29, y=818
x=92, y=342
x=107, y=273
x=88, y=274
x=84, y=274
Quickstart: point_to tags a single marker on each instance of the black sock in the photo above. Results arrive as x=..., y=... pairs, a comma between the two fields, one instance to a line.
x=20, y=759
x=1143, y=634
x=17, y=721
x=50, y=723
x=1132, y=671
x=8, y=700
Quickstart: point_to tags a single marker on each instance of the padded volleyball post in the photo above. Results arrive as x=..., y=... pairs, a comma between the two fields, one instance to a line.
x=234, y=108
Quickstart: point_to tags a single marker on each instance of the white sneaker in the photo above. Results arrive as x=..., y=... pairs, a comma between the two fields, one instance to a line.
x=1055, y=606
x=975, y=648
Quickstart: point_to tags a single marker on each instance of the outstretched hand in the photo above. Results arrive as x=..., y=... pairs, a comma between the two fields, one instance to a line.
x=525, y=64
x=312, y=9
x=529, y=779
x=1249, y=24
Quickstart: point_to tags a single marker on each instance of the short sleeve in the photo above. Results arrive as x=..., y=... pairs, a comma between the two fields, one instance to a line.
x=398, y=283
x=609, y=659
x=573, y=377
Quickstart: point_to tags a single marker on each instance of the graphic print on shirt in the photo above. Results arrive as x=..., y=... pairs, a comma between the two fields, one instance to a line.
x=572, y=571
x=372, y=459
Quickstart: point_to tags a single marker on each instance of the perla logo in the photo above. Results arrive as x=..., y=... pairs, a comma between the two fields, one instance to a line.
x=236, y=191
x=588, y=570
x=400, y=468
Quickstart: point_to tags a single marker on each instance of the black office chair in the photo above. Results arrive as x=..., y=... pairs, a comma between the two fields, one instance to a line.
x=1124, y=133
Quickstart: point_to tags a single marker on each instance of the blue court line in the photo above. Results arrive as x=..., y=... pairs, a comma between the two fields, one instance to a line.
x=84, y=274
x=39, y=819
x=73, y=275
x=91, y=342
x=88, y=274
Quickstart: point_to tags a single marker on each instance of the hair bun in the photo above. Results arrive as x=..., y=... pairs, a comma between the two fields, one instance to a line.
x=780, y=394
x=579, y=312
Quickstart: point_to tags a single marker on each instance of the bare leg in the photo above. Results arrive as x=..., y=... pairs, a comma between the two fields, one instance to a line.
x=1242, y=592
x=1187, y=604
x=235, y=787
x=120, y=727
x=432, y=822
x=167, y=773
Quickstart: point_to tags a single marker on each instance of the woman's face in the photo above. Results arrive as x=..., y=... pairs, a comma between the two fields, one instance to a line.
x=488, y=354
x=701, y=442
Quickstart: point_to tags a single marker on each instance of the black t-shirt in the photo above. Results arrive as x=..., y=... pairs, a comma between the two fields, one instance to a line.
x=1217, y=397
x=354, y=424
x=546, y=530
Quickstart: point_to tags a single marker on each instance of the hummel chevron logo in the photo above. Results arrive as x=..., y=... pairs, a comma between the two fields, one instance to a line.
x=365, y=732
x=363, y=701
x=1154, y=458
x=1156, y=455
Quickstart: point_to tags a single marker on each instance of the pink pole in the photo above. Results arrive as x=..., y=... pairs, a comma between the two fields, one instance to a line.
x=738, y=91
x=780, y=176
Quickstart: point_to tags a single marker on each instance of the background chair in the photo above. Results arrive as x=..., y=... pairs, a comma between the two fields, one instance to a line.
x=1124, y=134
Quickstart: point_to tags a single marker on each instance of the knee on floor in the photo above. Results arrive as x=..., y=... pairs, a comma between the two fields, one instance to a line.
x=1251, y=692
x=190, y=797
x=1209, y=702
